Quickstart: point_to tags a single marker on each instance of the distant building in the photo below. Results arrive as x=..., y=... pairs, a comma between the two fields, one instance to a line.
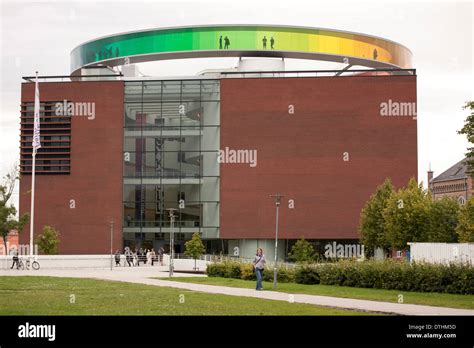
x=12, y=241
x=453, y=182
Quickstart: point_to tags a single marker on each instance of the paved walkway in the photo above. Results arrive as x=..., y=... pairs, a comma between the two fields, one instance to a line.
x=142, y=276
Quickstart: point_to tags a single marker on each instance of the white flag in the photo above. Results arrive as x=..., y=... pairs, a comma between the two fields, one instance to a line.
x=36, y=129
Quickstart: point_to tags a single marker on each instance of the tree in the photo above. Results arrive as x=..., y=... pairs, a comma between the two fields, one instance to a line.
x=407, y=215
x=443, y=214
x=48, y=241
x=372, y=230
x=302, y=251
x=194, y=247
x=465, y=228
x=468, y=131
x=8, y=220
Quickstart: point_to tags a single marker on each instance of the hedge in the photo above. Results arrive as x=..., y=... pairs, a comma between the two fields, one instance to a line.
x=388, y=274
x=239, y=270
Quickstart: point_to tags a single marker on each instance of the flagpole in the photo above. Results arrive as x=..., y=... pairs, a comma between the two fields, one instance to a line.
x=34, y=146
x=32, y=204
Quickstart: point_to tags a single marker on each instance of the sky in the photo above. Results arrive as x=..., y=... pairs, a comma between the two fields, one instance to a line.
x=39, y=36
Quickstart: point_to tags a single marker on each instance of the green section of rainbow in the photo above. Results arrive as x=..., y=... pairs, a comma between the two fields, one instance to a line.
x=243, y=40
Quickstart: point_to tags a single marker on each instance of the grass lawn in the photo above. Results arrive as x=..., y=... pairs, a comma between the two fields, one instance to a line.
x=51, y=296
x=423, y=298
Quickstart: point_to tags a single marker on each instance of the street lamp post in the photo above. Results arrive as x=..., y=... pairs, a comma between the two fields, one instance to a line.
x=171, y=266
x=111, y=243
x=277, y=204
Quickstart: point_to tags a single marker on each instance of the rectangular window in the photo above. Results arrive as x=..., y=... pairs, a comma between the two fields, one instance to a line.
x=55, y=138
x=171, y=141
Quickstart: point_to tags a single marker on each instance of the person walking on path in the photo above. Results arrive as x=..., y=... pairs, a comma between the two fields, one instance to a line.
x=161, y=252
x=136, y=260
x=258, y=265
x=148, y=257
x=128, y=257
x=143, y=256
x=152, y=256
x=117, y=258
x=16, y=262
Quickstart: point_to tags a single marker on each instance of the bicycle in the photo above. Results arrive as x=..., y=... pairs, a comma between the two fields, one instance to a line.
x=35, y=265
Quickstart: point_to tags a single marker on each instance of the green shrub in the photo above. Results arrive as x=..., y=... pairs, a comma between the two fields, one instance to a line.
x=246, y=272
x=284, y=274
x=215, y=269
x=391, y=274
x=329, y=274
x=368, y=277
x=267, y=275
x=387, y=274
x=239, y=270
x=307, y=274
x=232, y=269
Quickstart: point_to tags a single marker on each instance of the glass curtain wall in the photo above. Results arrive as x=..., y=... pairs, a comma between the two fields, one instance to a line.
x=171, y=143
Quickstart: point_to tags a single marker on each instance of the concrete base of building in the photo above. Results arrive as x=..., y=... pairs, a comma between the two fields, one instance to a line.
x=104, y=261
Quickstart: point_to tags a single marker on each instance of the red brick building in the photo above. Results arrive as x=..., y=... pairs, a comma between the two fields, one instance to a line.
x=454, y=182
x=321, y=142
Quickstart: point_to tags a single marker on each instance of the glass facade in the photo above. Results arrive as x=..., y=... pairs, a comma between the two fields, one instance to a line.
x=171, y=143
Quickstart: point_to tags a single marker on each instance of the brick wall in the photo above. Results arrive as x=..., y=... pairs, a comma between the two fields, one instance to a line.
x=95, y=182
x=301, y=155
